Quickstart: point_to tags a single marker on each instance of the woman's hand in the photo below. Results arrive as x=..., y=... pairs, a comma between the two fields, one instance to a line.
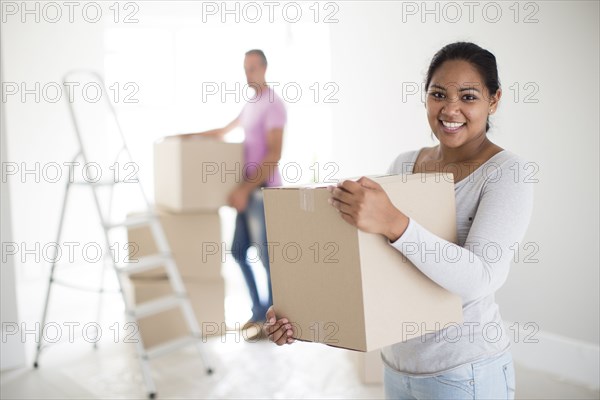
x=279, y=331
x=365, y=204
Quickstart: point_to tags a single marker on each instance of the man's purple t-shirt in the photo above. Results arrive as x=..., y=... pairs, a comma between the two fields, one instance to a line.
x=260, y=115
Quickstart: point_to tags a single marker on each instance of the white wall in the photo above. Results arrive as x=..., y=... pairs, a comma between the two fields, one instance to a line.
x=12, y=349
x=375, y=52
x=40, y=131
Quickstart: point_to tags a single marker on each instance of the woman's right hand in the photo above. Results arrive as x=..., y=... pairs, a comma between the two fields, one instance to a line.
x=279, y=331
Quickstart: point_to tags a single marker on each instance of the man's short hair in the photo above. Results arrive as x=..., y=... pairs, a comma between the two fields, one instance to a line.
x=259, y=53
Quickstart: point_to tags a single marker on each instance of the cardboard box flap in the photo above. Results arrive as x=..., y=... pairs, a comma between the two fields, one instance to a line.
x=393, y=286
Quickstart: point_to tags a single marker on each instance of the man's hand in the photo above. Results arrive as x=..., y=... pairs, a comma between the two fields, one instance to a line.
x=239, y=198
x=215, y=134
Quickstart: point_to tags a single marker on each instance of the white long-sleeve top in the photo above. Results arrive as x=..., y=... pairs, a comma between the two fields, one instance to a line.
x=493, y=209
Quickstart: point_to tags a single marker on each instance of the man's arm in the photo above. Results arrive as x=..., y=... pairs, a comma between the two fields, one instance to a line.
x=240, y=195
x=214, y=133
x=268, y=164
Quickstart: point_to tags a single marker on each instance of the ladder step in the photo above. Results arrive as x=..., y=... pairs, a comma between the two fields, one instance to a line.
x=144, y=264
x=133, y=221
x=156, y=306
x=83, y=288
x=170, y=346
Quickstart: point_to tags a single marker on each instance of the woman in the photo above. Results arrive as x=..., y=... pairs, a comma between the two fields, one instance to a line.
x=493, y=206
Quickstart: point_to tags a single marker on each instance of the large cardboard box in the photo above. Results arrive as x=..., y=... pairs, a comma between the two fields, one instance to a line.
x=208, y=302
x=347, y=288
x=195, y=174
x=194, y=239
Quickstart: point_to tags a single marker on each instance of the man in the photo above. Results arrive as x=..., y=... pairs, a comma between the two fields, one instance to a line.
x=263, y=119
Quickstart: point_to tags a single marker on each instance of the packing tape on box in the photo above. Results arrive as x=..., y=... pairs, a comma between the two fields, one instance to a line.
x=307, y=199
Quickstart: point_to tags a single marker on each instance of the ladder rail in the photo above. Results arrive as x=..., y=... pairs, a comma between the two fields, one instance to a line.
x=132, y=312
x=51, y=277
x=124, y=148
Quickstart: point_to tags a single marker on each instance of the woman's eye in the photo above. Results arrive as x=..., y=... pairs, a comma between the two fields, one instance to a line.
x=437, y=95
x=469, y=97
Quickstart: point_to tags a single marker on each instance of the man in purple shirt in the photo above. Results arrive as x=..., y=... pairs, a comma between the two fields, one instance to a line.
x=263, y=119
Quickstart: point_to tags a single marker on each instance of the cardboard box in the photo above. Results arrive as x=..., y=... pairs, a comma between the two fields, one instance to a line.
x=208, y=302
x=348, y=288
x=195, y=241
x=195, y=174
x=369, y=366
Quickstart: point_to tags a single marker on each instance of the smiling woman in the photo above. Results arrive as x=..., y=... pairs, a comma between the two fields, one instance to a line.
x=480, y=65
x=493, y=209
x=463, y=90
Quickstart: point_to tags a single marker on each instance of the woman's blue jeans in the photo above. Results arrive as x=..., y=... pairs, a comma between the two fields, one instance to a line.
x=492, y=378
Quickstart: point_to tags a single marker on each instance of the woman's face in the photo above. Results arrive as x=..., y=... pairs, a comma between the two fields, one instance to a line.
x=458, y=104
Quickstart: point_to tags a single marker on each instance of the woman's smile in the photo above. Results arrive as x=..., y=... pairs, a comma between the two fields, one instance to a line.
x=451, y=127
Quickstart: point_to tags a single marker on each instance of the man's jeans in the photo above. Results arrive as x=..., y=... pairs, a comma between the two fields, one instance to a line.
x=250, y=230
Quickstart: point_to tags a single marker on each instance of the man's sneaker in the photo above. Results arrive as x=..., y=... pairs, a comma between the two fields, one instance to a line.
x=253, y=331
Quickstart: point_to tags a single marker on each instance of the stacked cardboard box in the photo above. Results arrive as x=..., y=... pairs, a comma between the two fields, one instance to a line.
x=207, y=298
x=192, y=179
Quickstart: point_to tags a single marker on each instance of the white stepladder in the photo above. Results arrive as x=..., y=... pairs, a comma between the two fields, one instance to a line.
x=163, y=258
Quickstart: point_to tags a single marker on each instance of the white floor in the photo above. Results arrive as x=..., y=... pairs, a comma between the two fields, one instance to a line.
x=73, y=369
x=242, y=370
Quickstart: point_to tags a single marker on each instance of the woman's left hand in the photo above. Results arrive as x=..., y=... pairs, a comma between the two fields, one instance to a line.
x=365, y=204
